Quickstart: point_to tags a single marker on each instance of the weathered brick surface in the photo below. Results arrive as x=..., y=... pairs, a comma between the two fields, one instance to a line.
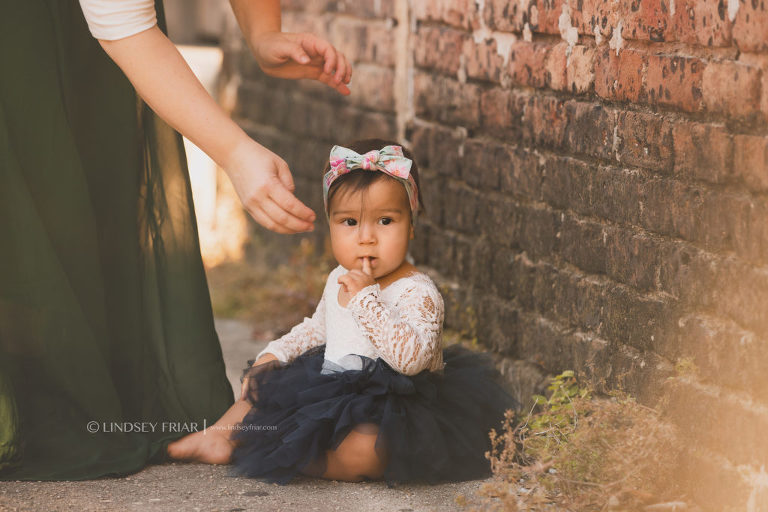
x=596, y=188
x=580, y=70
x=750, y=160
x=703, y=151
x=732, y=88
x=439, y=49
x=483, y=60
x=701, y=22
x=749, y=27
x=620, y=77
x=675, y=81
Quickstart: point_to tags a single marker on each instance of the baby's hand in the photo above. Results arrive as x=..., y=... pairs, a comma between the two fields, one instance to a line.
x=244, y=388
x=354, y=281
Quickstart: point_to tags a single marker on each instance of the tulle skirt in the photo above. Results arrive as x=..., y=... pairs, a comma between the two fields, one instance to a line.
x=432, y=427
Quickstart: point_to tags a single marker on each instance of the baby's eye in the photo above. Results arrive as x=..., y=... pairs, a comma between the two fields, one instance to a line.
x=349, y=222
x=385, y=220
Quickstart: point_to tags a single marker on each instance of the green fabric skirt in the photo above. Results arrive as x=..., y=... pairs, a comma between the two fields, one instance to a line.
x=107, y=344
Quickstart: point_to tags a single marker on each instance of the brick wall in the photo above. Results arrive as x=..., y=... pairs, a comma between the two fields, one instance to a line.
x=596, y=178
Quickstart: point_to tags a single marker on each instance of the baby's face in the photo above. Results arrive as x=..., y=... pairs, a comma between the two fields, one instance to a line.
x=373, y=223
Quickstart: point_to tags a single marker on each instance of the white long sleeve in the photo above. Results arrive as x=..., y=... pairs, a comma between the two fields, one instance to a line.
x=116, y=19
x=309, y=333
x=408, y=334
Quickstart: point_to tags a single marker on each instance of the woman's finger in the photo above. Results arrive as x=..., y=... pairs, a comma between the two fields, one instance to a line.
x=328, y=52
x=283, y=218
x=288, y=202
x=265, y=220
x=341, y=68
x=299, y=54
x=285, y=176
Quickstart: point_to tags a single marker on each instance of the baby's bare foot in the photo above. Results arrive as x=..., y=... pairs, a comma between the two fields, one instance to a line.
x=211, y=447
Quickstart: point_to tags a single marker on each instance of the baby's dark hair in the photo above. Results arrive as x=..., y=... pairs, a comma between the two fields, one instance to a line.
x=358, y=180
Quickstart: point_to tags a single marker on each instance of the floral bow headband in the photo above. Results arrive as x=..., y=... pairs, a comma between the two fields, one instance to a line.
x=389, y=160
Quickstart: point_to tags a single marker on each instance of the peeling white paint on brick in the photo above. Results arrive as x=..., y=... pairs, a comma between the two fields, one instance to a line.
x=527, y=34
x=733, y=8
x=598, y=35
x=504, y=41
x=569, y=33
x=617, y=42
x=461, y=74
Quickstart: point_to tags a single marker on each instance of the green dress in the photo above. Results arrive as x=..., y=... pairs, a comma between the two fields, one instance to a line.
x=105, y=317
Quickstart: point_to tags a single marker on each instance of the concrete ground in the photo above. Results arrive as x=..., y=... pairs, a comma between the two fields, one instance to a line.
x=172, y=487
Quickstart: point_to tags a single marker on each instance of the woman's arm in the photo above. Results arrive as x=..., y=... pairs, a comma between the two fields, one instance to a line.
x=289, y=55
x=163, y=79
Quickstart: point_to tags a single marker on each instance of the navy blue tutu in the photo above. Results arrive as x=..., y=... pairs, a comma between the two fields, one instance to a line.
x=432, y=427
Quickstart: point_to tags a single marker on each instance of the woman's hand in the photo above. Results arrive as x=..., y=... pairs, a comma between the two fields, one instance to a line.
x=289, y=55
x=262, y=360
x=265, y=187
x=354, y=281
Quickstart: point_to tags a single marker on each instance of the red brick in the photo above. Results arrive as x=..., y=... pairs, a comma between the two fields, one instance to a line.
x=361, y=41
x=549, y=120
x=750, y=160
x=647, y=20
x=732, y=88
x=527, y=63
x=583, y=16
x=494, y=109
x=439, y=49
x=620, y=77
x=538, y=65
x=437, y=148
x=644, y=140
x=548, y=16
x=759, y=61
x=702, y=151
x=483, y=60
x=555, y=66
x=703, y=22
x=675, y=81
x=503, y=15
x=590, y=129
x=361, y=8
x=456, y=13
x=298, y=21
x=377, y=90
x=511, y=15
x=580, y=71
x=446, y=100
x=750, y=28
x=605, y=16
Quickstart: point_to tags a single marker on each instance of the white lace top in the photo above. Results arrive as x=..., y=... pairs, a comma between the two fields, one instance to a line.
x=402, y=324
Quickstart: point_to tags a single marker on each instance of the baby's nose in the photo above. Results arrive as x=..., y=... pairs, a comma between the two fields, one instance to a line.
x=366, y=234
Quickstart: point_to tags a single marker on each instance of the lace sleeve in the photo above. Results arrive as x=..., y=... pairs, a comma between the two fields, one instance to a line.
x=407, y=336
x=309, y=333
